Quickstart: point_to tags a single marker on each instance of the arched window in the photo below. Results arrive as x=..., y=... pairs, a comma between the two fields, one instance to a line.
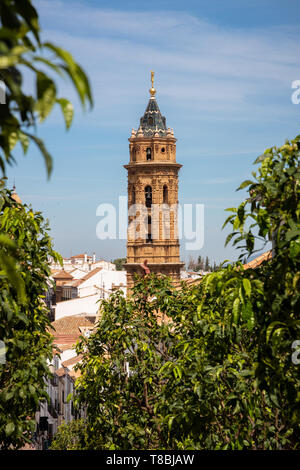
x=148, y=196
x=149, y=234
x=133, y=195
x=148, y=154
x=165, y=194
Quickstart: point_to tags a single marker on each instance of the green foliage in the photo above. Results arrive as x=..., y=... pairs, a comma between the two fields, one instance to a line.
x=207, y=367
x=21, y=49
x=119, y=262
x=71, y=436
x=24, y=271
x=274, y=206
x=24, y=240
x=273, y=203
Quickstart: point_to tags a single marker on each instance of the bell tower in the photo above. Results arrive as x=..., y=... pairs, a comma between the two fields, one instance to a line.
x=152, y=196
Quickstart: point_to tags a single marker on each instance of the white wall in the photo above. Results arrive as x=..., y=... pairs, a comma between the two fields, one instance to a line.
x=108, y=278
x=104, y=265
x=102, y=280
x=67, y=354
x=76, y=306
x=87, y=287
x=77, y=273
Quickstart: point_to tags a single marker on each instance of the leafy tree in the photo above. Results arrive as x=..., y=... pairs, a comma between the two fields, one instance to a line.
x=24, y=240
x=200, y=264
x=23, y=318
x=21, y=48
x=128, y=349
x=273, y=205
x=209, y=367
x=119, y=262
x=71, y=436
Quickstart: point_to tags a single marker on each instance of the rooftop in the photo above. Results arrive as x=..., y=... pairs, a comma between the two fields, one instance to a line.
x=81, y=256
x=67, y=329
x=153, y=122
x=72, y=361
x=62, y=275
x=257, y=261
x=77, y=282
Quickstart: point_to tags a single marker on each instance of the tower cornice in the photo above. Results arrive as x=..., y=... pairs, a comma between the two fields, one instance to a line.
x=152, y=139
x=152, y=164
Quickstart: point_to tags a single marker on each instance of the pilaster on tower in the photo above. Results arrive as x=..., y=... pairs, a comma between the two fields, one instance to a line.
x=152, y=196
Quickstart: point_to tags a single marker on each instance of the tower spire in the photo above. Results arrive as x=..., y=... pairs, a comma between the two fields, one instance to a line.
x=152, y=89
x=153, y=121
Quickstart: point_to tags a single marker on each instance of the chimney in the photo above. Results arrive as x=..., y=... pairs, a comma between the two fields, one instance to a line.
x=85, y=257
x=94, y=257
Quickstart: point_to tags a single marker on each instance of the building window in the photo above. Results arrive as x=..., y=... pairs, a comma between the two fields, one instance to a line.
x=133, y=195
x=148, y=154
x=165, y=194
x=148, y=196
x=163, y=150
x=149, y=236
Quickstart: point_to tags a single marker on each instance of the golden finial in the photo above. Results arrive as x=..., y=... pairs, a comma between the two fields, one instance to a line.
x=152, y=89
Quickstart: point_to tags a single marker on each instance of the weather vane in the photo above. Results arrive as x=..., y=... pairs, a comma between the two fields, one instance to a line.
x=152, y=89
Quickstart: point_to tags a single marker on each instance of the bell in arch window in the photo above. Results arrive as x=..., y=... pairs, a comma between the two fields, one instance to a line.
x=148, y=196
x=148, y=154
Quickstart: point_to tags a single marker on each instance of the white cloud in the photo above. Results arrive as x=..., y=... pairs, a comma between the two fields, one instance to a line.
x=203, y=70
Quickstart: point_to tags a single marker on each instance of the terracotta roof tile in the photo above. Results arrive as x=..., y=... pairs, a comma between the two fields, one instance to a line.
x=62, y=275
x=69, y=326
x=72, y=361
x=64, y=346
x=81, y=256
x=61, y=372
x=66, y=341
x=77, y=282
x=257, y=261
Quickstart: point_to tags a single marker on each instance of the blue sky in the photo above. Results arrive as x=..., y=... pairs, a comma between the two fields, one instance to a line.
x=223, y=77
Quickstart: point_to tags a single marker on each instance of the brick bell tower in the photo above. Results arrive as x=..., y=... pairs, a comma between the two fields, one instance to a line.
x=152, y=197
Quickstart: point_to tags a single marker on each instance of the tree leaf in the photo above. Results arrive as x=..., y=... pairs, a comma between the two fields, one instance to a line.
x=9, y=428
x=67, y=110
x=247, y=286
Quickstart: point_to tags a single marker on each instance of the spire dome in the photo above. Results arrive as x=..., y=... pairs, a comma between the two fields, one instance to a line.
x=153, y=122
